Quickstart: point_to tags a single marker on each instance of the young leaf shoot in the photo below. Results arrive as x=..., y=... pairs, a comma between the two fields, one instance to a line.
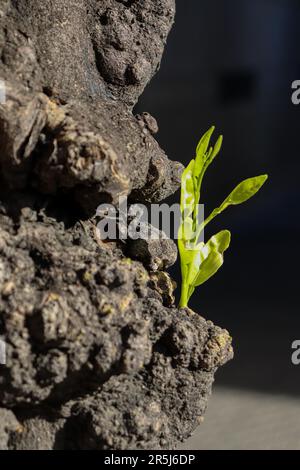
x=200, y=261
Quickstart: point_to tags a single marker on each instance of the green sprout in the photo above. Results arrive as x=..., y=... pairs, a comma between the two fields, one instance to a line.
x=199, y=260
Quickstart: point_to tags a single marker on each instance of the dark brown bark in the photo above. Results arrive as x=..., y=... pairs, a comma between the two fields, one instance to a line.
x=93, y=337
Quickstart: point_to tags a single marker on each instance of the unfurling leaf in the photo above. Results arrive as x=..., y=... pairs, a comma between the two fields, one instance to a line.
x=245, y=190
x=217, y=148
x=204, y=143
x=187, y=188
x=209, y=267
x=220, y=241
x=242, y=193
x=210, y=257
x=205, y=156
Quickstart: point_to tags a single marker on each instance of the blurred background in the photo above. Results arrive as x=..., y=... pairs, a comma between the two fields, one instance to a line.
x=232, y=63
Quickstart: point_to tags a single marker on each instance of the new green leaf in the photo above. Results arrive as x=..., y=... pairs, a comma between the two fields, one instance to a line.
x=210, y=257
x=245, y=190
x=209, y=267
x=199, y=261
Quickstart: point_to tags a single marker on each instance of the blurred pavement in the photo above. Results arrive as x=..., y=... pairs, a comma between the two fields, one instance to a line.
x=240, y=420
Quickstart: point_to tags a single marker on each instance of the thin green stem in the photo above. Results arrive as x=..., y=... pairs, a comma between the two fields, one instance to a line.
x=184, y=295
x=206, y=222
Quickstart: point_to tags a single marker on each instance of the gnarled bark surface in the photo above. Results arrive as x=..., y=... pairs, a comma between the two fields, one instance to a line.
x=98, y=357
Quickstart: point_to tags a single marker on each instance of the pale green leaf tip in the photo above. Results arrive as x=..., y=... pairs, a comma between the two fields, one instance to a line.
x=229, y=236
x=218, y=144
x=201, y=149
x=210, y=132
x=262, y=179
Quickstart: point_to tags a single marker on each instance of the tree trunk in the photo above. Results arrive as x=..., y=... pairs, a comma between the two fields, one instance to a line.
x=97, y=355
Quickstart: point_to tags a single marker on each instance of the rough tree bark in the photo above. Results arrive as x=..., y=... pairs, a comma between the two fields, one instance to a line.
x=98, y=357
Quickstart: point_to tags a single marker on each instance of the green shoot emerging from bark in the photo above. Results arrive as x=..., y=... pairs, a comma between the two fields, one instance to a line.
x=200, y=261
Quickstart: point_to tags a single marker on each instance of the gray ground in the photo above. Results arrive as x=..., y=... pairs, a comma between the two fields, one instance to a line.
x=248, y=420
